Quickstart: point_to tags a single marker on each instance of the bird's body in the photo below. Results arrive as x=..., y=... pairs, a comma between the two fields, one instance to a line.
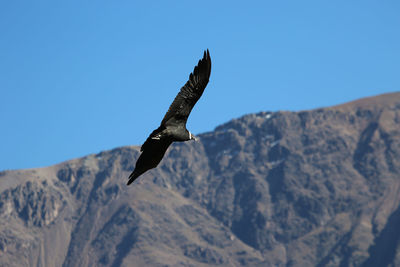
x=173, y=125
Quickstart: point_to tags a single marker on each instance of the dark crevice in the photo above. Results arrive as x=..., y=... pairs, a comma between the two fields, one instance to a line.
x=383, y=251
x=125, y=246
x=364, y=147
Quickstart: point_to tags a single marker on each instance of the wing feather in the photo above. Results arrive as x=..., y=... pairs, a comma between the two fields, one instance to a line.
x=190, y=93
x=149, y=139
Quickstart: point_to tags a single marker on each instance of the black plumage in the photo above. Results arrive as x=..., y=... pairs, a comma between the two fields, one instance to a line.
x=173, y=125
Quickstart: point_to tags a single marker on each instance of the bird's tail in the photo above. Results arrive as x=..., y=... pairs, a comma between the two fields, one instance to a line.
x=132, y=177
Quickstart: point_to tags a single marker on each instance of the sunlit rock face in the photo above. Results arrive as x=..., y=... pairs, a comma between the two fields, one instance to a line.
x=33, y=203
x=310, y=188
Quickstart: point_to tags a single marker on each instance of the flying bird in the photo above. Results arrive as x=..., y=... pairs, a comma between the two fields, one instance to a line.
x=173, y=125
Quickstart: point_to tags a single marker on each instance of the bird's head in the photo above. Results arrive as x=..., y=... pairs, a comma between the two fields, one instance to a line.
x=192, y=137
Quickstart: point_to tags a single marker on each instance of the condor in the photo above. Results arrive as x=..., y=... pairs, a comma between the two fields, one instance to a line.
x=173, y=125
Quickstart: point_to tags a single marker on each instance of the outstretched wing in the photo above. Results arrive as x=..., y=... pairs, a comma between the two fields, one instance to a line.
x=180, y=109
x=150, y=157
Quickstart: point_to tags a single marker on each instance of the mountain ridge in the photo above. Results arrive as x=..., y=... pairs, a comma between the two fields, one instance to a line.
x=391, y=97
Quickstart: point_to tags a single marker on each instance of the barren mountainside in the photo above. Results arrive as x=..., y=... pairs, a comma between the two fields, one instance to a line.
x=310, y=188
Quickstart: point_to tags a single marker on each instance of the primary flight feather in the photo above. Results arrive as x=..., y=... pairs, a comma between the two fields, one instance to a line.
x=173, y=125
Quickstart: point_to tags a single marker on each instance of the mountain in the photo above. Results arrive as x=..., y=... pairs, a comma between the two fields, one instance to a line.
x=309, y=188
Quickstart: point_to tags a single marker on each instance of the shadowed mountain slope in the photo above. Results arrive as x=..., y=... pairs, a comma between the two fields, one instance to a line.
x=310, y=188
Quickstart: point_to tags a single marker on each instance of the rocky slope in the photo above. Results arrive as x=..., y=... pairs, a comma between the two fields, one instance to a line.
x=311, y=188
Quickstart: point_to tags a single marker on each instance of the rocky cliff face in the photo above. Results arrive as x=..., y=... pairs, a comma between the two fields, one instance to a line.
x=311, y=188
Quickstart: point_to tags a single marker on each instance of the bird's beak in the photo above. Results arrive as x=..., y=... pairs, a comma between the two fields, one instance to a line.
x=192, y=137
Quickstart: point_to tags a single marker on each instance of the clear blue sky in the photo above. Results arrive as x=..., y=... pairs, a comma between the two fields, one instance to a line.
x=78, y=77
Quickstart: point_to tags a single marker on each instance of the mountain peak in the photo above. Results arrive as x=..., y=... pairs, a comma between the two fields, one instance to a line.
x=383, y=100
